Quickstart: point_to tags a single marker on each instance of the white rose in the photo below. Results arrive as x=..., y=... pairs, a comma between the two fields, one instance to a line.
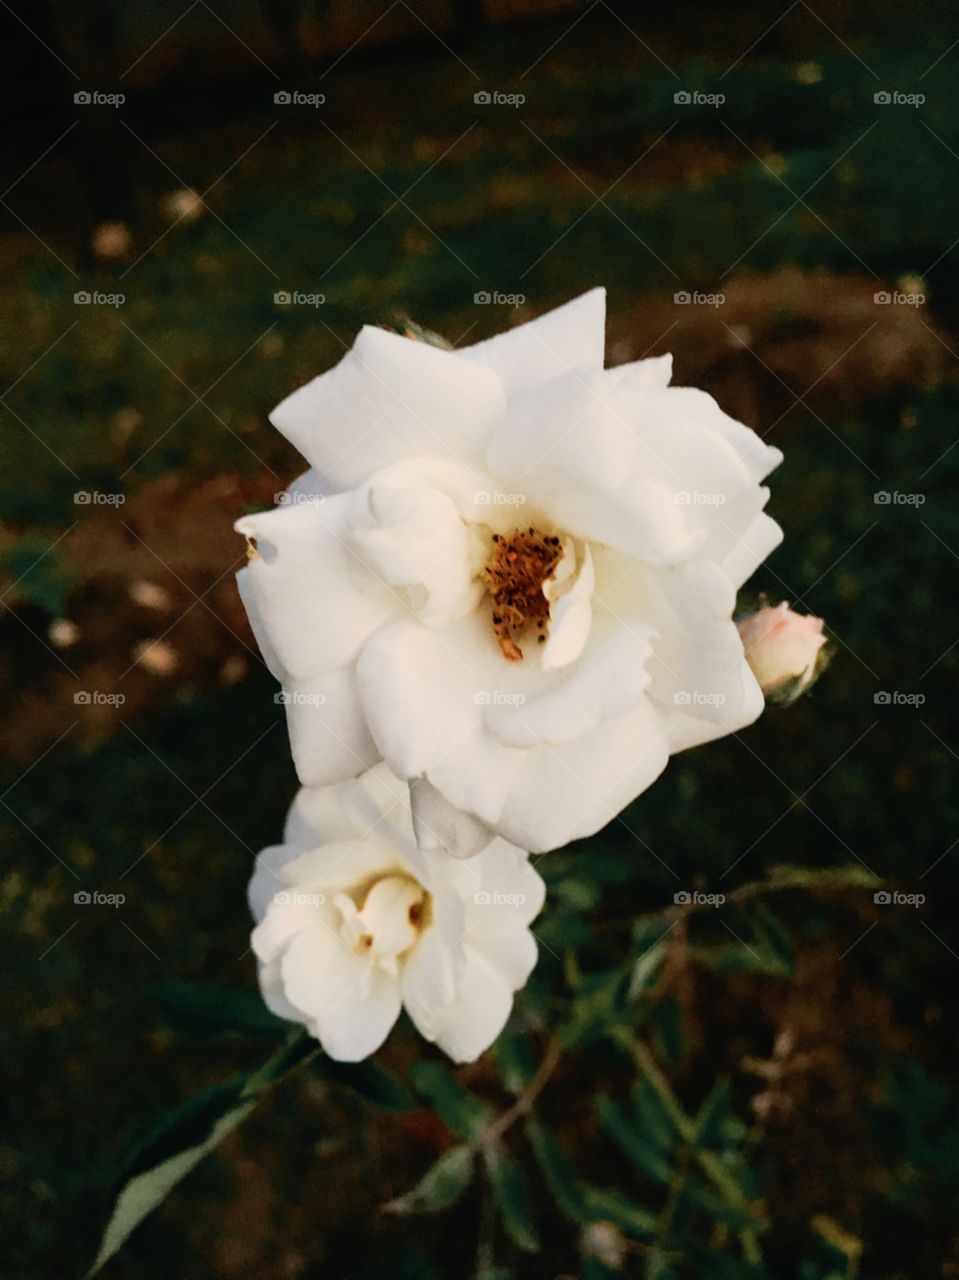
x=511, y=574
x=354, y=922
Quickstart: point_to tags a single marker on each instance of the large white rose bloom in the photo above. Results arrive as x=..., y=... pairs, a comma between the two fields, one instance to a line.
x=355, y=922
x=511, y=574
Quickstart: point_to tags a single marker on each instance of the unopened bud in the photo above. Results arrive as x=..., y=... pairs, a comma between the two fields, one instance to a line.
x=785, y=651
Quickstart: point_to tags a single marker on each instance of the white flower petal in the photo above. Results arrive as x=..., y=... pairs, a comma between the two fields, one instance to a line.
x=281, y=923
x=608, y=680
x=569, y=337
x=429, y=980
x=351, y=1008
x=388, y=399
x=248, y=594
x=512, y=955
x=320, y=815
x=467, y=1026
x=440, y=826
x=309, y=485
x=336, y=867
x=570, y=617
x=329, y=737
x=758, y=457
x=698, y=661
x=570, y=433
x=266, y=879
x=274, y=997
x=313, y=598
x=516, y=891
x=420, y=697
x=414, y=538
x=571, y=791
x=753, y=546
x=423, y=696
x=656, y=371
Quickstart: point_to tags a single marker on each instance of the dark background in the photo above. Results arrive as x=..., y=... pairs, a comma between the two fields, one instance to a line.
x=798, y=199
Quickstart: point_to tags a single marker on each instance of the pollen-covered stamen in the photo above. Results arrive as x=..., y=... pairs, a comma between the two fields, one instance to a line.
x=521, y=562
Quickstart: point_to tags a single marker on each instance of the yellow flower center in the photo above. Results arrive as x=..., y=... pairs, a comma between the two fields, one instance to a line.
x=387, y=922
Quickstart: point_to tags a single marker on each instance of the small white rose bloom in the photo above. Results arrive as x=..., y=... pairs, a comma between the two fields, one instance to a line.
x=355, y=923
x=783, y=649
x=511, y=574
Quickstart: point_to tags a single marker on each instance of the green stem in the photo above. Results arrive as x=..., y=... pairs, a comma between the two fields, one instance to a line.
x=523, y=1104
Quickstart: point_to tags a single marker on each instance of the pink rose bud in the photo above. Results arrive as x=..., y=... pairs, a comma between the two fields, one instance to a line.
x=784, y=651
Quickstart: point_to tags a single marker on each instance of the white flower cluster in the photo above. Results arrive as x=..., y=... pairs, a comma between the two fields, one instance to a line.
x=510, y=517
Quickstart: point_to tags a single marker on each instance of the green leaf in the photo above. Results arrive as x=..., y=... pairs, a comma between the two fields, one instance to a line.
x=707, y=1264
x=597, y=1003
x=595, y=1269
x=212, y=1007
x=511, y=1193
x=651, y=1116
x=462, y=1113
x=758, y=943
x=184, y=1137
x=716, y=1125
x=644, y=971
x=609, y=1204
x=658, y=1266
x=773, y=935
x=638, y=1145
x=823, y=879
x=373, y=1083
x=669, y=1031
x=739, y=1217
x=568, y=1191
x=516, y=1061
x=441, y=1186
x=579, y=1201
